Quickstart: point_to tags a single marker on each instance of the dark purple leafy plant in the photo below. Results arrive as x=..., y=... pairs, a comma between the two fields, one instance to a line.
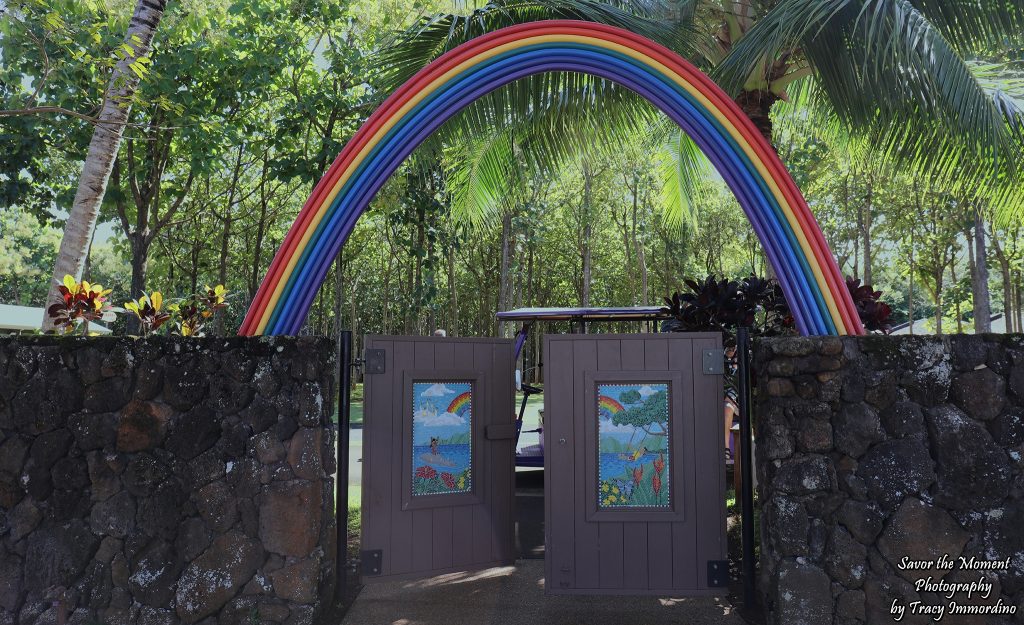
x=874, y=313
x=722, y=305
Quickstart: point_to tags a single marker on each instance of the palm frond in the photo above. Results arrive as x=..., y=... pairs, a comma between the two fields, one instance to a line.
x=888, y=75
x=483, y=178
x=976, y=26
x=684, y=169
x=433, y=36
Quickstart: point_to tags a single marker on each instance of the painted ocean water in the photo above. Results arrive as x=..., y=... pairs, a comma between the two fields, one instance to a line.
x=615, y=467
x=452, y=459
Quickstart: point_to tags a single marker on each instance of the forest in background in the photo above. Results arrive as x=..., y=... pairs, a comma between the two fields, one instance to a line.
x=246, y=103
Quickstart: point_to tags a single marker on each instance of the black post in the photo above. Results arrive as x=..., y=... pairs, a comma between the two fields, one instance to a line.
x=341, y=484
x=746, y=464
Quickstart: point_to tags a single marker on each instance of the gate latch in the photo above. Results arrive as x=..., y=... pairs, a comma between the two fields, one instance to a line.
x=373, y=361
x=714, y=361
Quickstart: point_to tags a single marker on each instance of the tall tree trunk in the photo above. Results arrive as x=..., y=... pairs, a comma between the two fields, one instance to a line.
x=504, y=284
x=979, y=278
x=1007, y=276
x=641, y=258
x=956, y=305
x=103, y=148
x=910, y=286
x=866, y=229
x=453, y=294
x=1018, y=303
x=586, y=251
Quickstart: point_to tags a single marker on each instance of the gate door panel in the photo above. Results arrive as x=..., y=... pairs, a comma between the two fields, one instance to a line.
x=635, y=473
x=438, y=456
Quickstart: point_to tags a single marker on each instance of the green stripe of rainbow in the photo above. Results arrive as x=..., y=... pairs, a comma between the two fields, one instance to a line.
x=792, y=240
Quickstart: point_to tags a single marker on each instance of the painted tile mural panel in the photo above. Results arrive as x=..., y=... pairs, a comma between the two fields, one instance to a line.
x=442, y=437
x=633, y=449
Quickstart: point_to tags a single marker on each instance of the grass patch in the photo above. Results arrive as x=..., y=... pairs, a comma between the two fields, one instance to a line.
x=353, y=524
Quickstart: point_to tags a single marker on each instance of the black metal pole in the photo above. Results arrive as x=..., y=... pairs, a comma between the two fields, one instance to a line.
x=341, y=484
x=746, y=463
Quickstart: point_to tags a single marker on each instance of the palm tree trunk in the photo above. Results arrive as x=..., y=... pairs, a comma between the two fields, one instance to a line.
x=757, y=105
x=103, y=148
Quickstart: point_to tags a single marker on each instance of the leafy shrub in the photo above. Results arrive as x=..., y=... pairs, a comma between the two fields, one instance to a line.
x=722, y=305
x=80, y=303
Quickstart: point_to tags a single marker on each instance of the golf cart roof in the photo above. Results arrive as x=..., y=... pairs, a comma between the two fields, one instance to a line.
x=628, y=313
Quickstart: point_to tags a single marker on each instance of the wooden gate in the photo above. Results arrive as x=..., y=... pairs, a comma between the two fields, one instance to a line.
x=634, y=472
x=438, y=455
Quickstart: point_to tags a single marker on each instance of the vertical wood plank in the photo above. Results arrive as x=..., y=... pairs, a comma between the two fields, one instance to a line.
x=422, y=519
x=659, y=556
x=483, y=522
x=442, y=522
x=659, y=535
x=634, y=556
x=632, y=354
x=609, y=358
x=377, y=499
x=402, y=357
x=684, y=533
x=462, y=516
x=710, y=443
x=586, y=540
x=634, y=535
x=559, y=468
x=502, y=452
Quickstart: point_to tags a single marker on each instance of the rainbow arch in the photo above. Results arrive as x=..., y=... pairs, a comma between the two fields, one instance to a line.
x=609, y=404
x=779, y=214
x=461, y=404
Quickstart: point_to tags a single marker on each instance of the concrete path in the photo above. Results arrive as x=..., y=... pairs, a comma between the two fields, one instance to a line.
x=515, y=596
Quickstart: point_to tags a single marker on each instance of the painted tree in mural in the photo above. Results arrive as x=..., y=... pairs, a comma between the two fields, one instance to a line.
x=649, y=415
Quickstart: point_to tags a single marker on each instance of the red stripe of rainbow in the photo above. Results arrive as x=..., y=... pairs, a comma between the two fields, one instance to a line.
x=793, y=242
x=609, y=404
x=460, y=403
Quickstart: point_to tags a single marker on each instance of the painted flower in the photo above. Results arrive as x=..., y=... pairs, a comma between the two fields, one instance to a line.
x=426, y=472
x=659, y=464
x=448, y=479
x=656, y=483
x=615, y=490
x=462, y=483
x=638, y=474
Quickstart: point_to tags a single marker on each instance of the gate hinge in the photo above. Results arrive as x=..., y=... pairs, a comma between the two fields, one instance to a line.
x=714, y=361
x=718, y=573
x=371, y=560
x=373, y=361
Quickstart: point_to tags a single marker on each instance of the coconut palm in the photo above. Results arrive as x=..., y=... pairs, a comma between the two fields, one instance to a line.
x=892, y=75
x=103, y=147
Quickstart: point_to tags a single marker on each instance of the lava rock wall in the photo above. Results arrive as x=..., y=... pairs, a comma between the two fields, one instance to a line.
x=875, y=449
x=166, y=480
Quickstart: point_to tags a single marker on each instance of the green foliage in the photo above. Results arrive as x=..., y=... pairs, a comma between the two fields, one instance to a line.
x=653, y=410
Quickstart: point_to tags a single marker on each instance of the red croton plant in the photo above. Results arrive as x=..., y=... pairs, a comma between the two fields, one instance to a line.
x=81, y=302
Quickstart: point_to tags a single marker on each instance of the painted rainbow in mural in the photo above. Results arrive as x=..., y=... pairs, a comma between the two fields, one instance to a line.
x=778, y=212
x=461, y=404
x=608, y=404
